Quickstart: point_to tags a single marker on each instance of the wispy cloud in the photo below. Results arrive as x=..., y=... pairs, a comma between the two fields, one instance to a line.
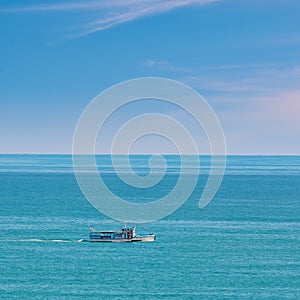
x=75, y=5
x=163, y=65
x=111, y=12
x=232, y=78
x=258, y=104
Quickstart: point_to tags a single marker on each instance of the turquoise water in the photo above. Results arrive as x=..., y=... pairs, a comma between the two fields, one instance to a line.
x=244, y=245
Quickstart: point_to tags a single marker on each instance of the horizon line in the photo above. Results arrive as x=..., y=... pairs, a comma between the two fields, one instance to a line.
x=151, y=154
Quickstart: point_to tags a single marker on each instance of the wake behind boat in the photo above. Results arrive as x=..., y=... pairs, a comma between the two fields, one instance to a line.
x=123, y=235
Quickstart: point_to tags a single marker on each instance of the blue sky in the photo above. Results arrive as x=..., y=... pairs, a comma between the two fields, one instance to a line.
x=243, y=56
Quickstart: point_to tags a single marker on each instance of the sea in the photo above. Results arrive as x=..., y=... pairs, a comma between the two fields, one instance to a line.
x=244, y=245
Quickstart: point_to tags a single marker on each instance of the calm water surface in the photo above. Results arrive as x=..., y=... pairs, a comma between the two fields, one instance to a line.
x=244, y=245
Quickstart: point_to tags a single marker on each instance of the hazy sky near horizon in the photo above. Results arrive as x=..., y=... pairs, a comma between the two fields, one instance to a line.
x=243, y=56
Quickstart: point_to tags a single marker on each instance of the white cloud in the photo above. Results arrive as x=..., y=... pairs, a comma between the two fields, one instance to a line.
x=75, y=5
x=111, y=12
x=162, y=65
x=235, y=78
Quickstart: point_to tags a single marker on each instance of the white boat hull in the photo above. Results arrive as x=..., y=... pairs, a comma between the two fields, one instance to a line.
x=149, y=238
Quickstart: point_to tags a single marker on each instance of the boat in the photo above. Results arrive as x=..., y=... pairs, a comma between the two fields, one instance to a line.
x=123, y=235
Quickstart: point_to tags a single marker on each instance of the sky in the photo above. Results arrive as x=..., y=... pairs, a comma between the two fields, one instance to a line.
x=242, y=56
